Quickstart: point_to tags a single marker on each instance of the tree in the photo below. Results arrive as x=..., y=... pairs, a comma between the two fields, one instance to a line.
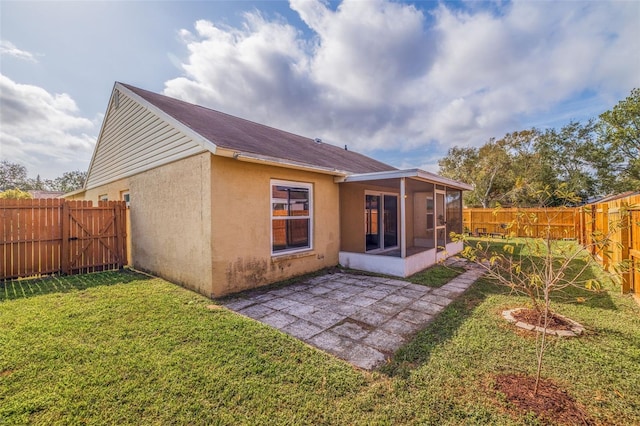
x=12, y=175
x=537, y=266
x=69, y=181
x=486, y=168
x=616, y=151
x=563, y=155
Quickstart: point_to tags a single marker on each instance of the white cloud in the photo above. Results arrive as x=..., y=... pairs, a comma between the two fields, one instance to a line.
x=8, y=48
x=42, y=130
x=383, y=75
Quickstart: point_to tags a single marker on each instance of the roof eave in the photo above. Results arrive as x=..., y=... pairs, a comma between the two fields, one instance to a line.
x=407, y=173
x=278, y=162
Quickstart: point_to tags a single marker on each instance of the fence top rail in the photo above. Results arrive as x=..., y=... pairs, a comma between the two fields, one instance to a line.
x=56, y=202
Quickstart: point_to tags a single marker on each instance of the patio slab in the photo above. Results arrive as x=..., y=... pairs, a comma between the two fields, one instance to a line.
x=360, y=319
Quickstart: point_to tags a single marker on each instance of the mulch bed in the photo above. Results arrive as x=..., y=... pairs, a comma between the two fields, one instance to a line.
x=552, y=405
x=533, y=317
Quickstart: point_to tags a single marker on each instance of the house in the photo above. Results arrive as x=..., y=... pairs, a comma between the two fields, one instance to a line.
x=40, y=194
x=220, y=204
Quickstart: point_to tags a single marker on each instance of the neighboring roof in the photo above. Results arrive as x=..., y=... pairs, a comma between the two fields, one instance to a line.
x=613, y=197
x=408, y=173
x=247, y=137
x=38, y=194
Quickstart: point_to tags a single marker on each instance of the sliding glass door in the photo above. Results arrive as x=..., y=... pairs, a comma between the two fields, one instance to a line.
x=381, y=221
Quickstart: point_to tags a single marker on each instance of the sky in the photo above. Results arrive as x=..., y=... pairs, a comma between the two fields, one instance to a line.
x=400, y=81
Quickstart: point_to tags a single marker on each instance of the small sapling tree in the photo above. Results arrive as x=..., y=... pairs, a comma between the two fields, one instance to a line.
x=541, y=264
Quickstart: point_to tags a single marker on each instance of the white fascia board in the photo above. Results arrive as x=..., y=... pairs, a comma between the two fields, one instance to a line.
x=95, y=148
x=407, y=173
x=278, y=162
x=205, y=143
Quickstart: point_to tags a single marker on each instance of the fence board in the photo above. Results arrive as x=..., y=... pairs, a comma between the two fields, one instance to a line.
x=611, y=230
x=560, y=222
x=49, y=236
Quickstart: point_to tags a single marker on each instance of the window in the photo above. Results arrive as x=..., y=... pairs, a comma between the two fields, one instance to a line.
x=291, y=214
x=124, y=196
x=103, y=197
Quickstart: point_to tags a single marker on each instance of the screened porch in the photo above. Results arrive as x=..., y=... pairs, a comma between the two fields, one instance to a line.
x=398, y=222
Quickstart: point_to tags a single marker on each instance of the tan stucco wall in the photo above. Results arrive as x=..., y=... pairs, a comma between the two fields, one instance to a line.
x=170, y=220
x=352, y=218
x=241, y=226
x=171, y=235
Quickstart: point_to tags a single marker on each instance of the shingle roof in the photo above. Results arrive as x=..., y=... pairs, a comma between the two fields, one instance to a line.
x=227, y=131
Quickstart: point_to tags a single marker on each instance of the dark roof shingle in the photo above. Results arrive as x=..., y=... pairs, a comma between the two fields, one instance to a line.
x=227, y=131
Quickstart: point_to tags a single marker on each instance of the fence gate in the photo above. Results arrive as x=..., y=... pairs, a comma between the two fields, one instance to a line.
x=40, y=237
x=94, y=237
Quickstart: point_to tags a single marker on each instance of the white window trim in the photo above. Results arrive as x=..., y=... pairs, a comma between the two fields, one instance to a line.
x=308, y=186
x=122, y=194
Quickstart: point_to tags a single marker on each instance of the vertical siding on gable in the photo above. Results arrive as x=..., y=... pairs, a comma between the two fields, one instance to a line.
x=133, y=140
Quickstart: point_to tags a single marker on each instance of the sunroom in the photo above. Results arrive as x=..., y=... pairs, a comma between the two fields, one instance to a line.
x=398, y=222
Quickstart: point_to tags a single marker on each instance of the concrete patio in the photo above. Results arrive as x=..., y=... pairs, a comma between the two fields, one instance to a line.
x=360, y=319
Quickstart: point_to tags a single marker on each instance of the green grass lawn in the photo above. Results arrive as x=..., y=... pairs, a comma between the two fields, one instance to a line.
x=122, y=348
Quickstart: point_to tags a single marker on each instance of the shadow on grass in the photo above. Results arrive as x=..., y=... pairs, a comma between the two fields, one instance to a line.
x=445, y=325
x=25, y=288
x=441, y=329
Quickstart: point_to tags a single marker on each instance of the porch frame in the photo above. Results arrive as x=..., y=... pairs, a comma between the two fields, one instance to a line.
x=405, y=264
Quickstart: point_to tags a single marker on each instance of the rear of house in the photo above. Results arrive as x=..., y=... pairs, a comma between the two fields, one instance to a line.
x=220, y=204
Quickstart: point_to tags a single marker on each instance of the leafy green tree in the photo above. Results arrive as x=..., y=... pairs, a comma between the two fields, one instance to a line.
x=486, y=168
x=563, y=157
x=69, y=181
x=615, y=154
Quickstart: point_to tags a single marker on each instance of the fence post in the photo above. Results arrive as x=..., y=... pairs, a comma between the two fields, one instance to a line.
x=64, y=250
x=594, y=225
x=607, y=232
x=625, y=241
x=120, y=240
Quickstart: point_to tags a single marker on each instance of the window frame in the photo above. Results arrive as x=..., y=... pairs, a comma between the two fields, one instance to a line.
x=382, y=228
x=291, y=184
x=125, y=196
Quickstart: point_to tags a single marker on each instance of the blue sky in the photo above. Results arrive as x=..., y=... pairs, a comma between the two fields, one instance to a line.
x=400, y=81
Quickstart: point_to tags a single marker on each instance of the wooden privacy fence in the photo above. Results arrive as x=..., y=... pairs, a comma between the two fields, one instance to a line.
x=561, y=222
x=610, y=230
x=52, y=236
x=616, y=224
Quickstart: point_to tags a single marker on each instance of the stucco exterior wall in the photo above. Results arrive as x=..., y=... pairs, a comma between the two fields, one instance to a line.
x=169, y=220
x=352, y=218
x=171, y=234
x=241, y=226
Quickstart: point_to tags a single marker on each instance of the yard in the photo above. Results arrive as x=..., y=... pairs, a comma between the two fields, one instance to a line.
x=123, y=348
